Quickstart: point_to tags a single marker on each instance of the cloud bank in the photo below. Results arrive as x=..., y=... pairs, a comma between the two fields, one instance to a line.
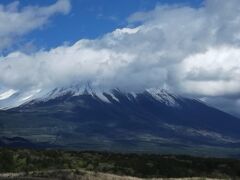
x=15, y=21
x=186, y=50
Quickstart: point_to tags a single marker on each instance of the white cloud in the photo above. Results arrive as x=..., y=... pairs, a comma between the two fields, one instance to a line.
x=15, y=21
x=215, y=72
x=191, y=51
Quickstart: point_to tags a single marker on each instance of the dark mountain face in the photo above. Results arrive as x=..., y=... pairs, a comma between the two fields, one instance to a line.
x=18, y=142
x=14, y=142
x=148, y=121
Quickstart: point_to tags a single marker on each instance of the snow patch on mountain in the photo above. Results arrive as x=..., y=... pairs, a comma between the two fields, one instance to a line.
x=7, y=94
x=101, y=96
x=114, y=97
x=164, y=97
x=13, y=98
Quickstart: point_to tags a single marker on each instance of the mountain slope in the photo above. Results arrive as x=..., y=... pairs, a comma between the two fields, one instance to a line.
x=152, y=120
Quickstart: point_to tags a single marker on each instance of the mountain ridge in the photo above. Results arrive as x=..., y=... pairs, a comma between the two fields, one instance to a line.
x=152, y=120
x=11, y=98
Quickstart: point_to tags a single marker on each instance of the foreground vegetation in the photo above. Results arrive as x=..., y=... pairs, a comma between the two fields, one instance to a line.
x=138, y=165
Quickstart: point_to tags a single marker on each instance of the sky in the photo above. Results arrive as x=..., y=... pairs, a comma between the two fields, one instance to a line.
x=190, y=47
x=87, y=19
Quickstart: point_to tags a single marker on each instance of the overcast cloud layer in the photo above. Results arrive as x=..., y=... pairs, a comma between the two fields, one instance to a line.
x=186, y=50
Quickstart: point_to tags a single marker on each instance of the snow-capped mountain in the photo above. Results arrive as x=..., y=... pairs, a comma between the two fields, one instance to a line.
x=11, y=98
x=86, y=118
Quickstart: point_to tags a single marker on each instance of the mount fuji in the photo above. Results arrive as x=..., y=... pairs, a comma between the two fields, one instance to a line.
x=153, y=120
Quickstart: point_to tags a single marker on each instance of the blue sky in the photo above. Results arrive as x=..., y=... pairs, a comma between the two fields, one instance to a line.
x=89, y=19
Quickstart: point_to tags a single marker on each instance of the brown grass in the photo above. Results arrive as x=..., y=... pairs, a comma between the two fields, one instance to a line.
x=76, y=175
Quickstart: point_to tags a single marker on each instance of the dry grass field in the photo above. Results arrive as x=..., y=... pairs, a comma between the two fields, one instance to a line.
x=79, y=175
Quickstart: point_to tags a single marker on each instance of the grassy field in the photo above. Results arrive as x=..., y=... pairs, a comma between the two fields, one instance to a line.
x=80, y=175
x=47, y=164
